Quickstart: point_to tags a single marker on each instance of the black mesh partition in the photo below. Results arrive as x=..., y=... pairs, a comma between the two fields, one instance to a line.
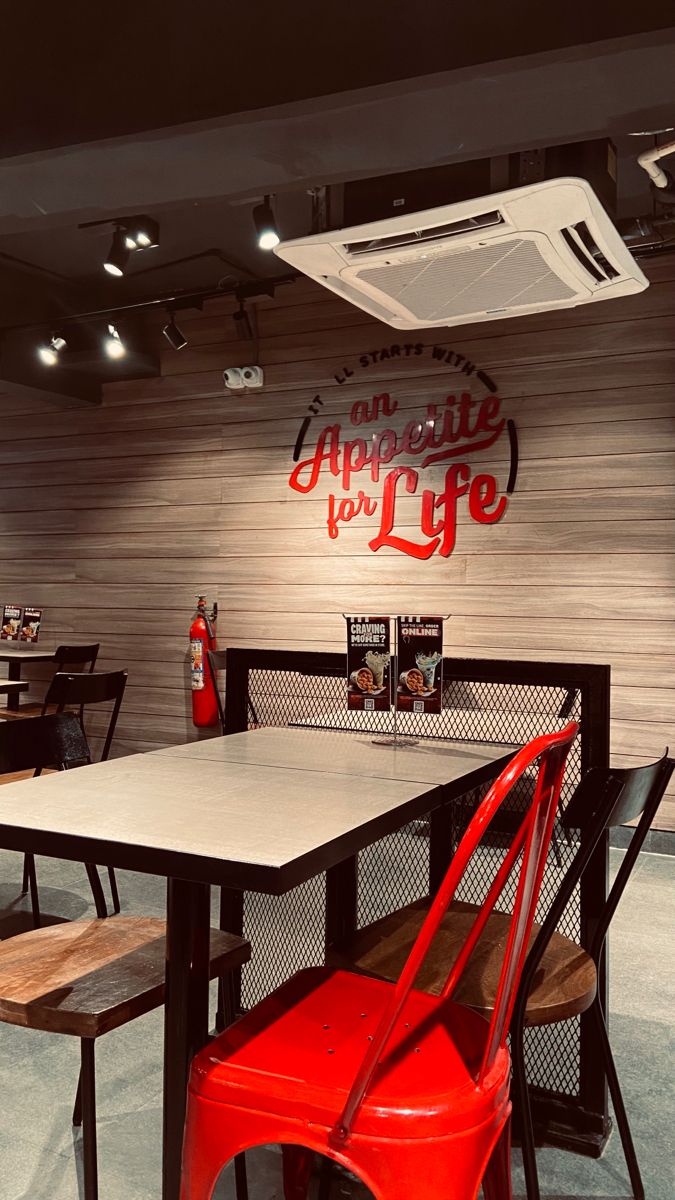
x=484, y=700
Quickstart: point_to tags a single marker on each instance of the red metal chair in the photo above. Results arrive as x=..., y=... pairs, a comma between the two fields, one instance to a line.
x=408, y=1091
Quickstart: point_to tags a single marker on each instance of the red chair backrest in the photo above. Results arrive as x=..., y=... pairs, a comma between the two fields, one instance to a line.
x=533, y=839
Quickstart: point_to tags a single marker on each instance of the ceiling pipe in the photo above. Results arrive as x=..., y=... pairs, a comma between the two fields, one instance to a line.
x=649, y=159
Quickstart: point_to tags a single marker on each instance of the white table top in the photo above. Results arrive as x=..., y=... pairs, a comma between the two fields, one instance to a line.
x=261, y=810
x=320, y=750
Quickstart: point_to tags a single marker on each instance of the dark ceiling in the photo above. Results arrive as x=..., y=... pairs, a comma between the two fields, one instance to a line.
x=86, y=72
x=191, y=113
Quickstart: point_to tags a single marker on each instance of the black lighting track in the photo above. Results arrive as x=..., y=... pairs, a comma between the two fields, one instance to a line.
x=175, y=300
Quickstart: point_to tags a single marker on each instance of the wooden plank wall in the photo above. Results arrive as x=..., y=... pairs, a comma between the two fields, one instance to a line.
x=113, y=518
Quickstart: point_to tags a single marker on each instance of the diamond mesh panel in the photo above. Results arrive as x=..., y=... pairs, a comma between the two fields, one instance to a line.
x=288, y=931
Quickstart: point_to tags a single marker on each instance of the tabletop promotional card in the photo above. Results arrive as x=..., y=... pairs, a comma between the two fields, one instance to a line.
x=30, y=626
x=11, y=623
x=369, y=663
x=420, y=664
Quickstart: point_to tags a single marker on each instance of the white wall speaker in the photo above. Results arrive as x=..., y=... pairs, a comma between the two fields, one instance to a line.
x=233, y=379
x=253, y=377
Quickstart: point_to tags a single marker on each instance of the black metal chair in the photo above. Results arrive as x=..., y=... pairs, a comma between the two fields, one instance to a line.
x=40, y=744
x=65, y=657
x=87, y=977
x=560, y=978
x=25, y=742
x=603, y=800
x=103, y=687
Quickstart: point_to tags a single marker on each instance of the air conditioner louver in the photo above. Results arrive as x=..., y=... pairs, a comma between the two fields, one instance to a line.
x=546, y=246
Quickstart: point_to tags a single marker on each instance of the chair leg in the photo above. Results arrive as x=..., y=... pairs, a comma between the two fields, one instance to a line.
x=89, y=1157
x=25, y=877
x=240, y=1177
x=226, y=1012
x=497, y=1177
x=33, y=888
x=225, y=1015
x=619, y=1106
x=297, y=1171
x=325, y=1178
x=96, y=889
x=77, y=1108
x=521, y=1095
x=112, y=879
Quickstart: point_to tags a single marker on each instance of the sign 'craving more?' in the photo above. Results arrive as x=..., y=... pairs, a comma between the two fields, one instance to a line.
x=382, y=453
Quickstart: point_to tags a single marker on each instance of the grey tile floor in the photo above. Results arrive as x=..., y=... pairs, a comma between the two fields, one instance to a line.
x=40, y=1157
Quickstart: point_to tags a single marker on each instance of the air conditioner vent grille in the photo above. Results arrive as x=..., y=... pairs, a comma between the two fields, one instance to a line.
x=478, y=280
x=414, y=237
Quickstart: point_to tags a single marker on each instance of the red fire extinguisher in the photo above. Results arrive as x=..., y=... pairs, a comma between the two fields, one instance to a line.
x=203, y=638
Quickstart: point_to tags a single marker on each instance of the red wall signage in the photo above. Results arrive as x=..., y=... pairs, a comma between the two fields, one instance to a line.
x=360, y=458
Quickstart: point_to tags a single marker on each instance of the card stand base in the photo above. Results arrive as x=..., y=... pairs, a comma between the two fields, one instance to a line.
x=400, y=740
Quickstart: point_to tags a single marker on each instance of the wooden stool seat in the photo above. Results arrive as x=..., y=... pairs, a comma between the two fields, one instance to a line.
x=30, y=709
x=87, y=977
x=564, y=985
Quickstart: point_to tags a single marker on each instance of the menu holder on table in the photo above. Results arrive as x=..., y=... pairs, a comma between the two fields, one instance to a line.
x=416, y=666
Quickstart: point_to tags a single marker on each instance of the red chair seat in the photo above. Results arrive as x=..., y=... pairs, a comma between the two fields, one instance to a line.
x=296, y=1055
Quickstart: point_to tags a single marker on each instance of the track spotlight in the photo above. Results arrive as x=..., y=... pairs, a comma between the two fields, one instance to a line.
x=113, y=344
x=118, y=255
x=131, y=233
x=265, y=225
x=49, y=352
x=174, y=336
x=141, y=233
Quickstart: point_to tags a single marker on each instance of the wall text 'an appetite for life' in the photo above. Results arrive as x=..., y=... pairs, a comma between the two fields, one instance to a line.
x=366, y=450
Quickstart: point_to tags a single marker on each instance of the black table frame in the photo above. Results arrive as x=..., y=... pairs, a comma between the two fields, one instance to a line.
x=581, y=1123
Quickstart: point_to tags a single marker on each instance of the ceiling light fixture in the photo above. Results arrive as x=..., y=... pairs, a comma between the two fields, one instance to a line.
x=131, y=234
x=174, y=336
x=49, y=352
x=141, y=233
x=118, y=255
x=113, y=344
x=265, y=225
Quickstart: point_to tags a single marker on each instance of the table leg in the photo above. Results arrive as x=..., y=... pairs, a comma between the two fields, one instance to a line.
x=13, y=673
x=441, y=831
x=341, y=899
x=186, y=1012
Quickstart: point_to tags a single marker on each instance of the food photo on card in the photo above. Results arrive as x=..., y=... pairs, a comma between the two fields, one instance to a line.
x=420, y=664
x=369, y=663
x=30, y=626
x=11, y=623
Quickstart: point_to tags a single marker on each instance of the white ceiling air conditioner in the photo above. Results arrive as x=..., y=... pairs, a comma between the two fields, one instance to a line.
x=546, y=246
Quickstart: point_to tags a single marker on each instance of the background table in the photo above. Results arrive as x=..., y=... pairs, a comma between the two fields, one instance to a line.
x=15, y=657
x=11, y=688
x=265, y=810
